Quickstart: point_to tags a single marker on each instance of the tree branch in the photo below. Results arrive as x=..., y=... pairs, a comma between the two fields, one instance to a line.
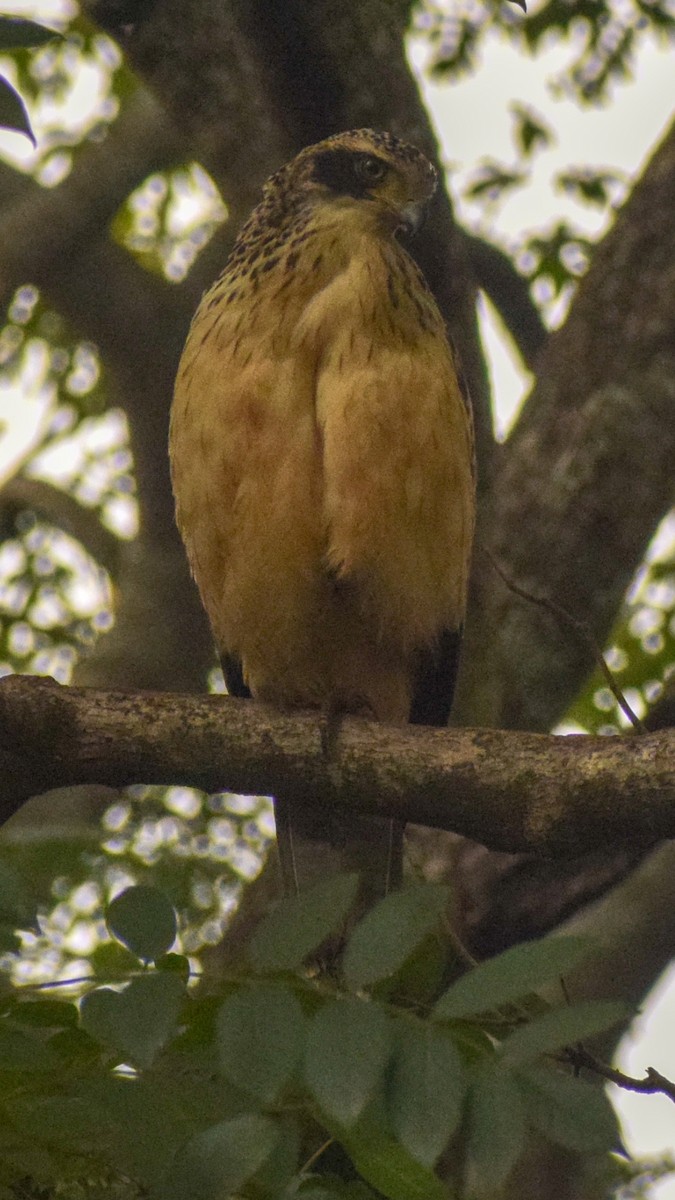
x=40, y=228
x=653, y=1081
x=587, y=473
x=512, y=791
x=202, y=68
x=509, y=292
x=63, y=510
x=59, y=239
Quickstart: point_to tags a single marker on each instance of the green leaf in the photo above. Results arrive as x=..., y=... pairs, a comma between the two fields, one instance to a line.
x=144, y=919
x=145, y=1120
x=492, y=180
x=48, y=1014
x=558, y=15
x=511, y=975
x=277, y=1176
x=562, y=1026
x=473, y=1043
x=220, y=1160
x=112, y=961
x=593, y=187
x=496, y=1128
x=17, y=33
x=425, y=1090
x=391, y=932
x=260, y=1039
x=325, y=1189
x=138, y=1020
x=13, y=113
x=71, y=1123
x=563, y=254
x=389, y=1168
x=16, y=907
x=75, y=1048
x=328, y=1187
x=199, y=1021
x=531, y=131
x=347, y=1050
x=21, y=1052
x=569, y=1111
x=300, y=924
x=178, y=963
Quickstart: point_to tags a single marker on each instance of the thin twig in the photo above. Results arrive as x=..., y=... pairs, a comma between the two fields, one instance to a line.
x=315, y=1156
x=653, y=1081
x=579, y=627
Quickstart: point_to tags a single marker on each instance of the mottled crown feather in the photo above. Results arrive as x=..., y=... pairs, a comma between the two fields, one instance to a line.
x=361, y=165
x=358, y=141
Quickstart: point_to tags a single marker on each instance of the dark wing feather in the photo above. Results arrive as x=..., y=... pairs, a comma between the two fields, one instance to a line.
x=436, y=678
x=234, y=677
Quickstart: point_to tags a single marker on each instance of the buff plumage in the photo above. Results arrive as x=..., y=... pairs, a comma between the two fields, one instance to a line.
x=321, y=446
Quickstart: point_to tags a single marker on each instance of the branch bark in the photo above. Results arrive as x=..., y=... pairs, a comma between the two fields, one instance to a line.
x=509, y=292
x=588, y=472
x=59, y=239
x=246, y=102
x=64, y=511
x=42, y=227
x=511, y=791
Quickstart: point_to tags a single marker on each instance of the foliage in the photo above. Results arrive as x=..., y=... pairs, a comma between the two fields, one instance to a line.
x=641, y=652
x=553, y=258
x=15, y=33
x=169, y=220
x=635, y=1179
x=55, y=598
x=602, y=36
x=71, y=856
x=41, y=74
x=261, y=1083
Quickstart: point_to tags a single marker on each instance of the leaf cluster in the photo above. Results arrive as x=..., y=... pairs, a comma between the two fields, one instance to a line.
x=17, y=33
x=552, y=259
x=45, y=624
x=381, y=1078
x=73, y=848
x=603, y=36
x=41, y=630
x=641, y=651
x=153, y=224
x=40, y=67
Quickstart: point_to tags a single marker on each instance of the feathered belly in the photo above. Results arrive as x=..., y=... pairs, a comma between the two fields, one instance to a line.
x=325, y=501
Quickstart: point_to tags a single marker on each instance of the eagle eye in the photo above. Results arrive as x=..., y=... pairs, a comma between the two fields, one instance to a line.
x=370, y=168
x=348, y=172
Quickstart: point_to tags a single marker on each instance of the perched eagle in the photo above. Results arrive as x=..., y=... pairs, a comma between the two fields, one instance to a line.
x=323, y=467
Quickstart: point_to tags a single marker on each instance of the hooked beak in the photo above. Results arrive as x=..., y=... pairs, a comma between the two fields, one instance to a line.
x=412, y=216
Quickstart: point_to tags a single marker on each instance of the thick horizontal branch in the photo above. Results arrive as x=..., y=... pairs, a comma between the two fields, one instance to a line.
x=512, y=791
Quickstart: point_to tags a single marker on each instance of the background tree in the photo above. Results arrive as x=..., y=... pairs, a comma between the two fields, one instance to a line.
x=100, y=275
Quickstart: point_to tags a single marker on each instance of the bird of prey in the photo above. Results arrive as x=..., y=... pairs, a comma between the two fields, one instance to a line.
x=323, y=468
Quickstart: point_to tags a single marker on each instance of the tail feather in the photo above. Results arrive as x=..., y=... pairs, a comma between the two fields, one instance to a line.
x=316, y=841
